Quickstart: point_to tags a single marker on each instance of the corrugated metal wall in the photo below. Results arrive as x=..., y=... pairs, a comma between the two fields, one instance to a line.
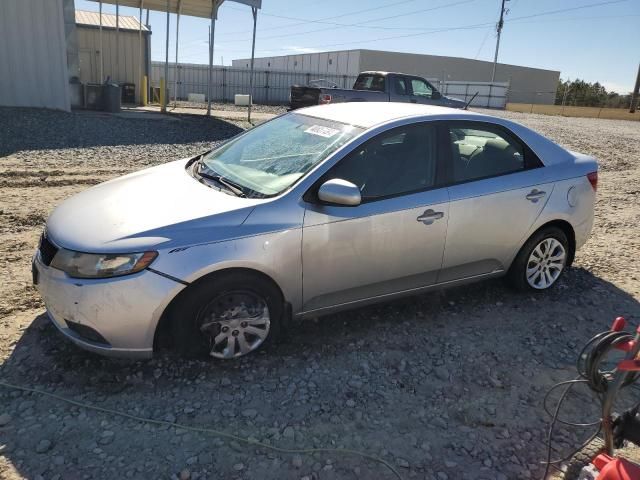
x=272, y=87
x=33, y=54
x=126, y=70
x=344, y=62
x=526, y=84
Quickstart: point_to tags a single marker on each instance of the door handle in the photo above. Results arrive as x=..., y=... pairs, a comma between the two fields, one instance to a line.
x=429, y=216
x=535, y=195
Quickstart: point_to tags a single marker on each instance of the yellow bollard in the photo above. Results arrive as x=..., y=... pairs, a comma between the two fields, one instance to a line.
x=163, y=105
x=144, y=92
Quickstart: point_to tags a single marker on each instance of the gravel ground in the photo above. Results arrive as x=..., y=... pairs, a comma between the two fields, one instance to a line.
x=230, y=107
x=446, y=385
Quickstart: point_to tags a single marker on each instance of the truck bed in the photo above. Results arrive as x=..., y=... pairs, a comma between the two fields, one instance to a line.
x=303, y=96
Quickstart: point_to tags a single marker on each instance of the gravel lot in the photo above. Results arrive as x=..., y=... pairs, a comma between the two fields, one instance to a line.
x=275, y=109
x=444, y=386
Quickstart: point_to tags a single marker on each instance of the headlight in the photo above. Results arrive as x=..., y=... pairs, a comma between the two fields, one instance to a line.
x=90, y=265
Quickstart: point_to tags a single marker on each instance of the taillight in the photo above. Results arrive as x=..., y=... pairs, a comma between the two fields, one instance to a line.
x=324, y=98
x=593, y=180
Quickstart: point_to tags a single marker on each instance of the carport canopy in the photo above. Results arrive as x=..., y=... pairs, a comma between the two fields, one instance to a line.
x=193, y=8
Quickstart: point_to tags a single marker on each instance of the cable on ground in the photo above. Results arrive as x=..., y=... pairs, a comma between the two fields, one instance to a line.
x=589, y=365
x=211, y=431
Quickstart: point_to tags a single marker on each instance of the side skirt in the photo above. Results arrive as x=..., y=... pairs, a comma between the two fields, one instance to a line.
x=392, y=296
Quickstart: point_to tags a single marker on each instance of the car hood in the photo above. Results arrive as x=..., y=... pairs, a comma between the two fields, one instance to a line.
x=159, y=206
x=454, y=102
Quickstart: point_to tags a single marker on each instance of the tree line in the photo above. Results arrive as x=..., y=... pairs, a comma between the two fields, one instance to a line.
x=584, y=94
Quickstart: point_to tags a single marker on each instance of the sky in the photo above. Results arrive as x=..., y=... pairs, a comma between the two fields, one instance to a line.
x=594, y=40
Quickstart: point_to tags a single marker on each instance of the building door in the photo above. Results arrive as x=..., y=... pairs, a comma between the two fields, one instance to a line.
x=88, y=66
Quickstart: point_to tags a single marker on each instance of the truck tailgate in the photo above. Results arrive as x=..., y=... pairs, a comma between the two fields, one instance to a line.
x=304, y=96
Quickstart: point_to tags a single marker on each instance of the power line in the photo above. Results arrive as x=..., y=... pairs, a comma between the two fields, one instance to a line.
x=486, y=35
x=303, y=21
x=423, y=31
x=464, y=27
x=361, y=24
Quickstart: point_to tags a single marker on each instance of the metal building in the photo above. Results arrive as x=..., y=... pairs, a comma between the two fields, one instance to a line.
x=33, y=54
x=527, y=85
x=120, y=52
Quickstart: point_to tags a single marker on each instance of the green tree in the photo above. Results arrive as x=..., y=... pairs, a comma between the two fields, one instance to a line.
x=583, y=94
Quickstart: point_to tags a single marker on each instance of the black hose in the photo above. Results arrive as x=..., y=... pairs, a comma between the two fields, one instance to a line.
x=597, y=379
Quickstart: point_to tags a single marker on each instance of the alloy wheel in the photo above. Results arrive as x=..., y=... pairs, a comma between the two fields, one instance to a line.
x=545, y=264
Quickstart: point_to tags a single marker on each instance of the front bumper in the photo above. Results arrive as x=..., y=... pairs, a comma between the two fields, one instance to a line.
x=124, y=311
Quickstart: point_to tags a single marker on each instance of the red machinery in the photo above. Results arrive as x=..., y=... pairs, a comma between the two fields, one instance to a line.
x=617, y=429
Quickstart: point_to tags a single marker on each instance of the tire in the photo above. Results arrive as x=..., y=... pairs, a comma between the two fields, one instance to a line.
x=554, y=238
x=583, y=458
x=220, y=315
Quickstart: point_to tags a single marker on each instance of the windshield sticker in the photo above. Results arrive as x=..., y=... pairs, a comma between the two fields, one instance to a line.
x=321, y=131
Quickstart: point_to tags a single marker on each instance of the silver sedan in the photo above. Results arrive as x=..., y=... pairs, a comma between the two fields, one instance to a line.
x=324, y=209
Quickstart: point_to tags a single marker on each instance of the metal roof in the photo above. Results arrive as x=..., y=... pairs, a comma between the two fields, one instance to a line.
x=92, y=19
x=193, y=8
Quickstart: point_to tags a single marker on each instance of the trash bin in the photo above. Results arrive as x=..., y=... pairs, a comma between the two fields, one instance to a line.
x=111, y=97
x=128, y=93
x=93, y=96
x=76, y=92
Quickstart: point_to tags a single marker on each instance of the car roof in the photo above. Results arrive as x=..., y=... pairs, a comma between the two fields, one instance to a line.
x=369, y=114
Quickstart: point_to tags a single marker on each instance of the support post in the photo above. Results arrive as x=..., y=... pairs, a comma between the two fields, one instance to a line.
x=139, y=81
x=634, y=95
x=177, y=71
x=117, y=69
x=254, y=12
x=101, y=55
x=212, y=30
x=163, y=93
x=143, y=91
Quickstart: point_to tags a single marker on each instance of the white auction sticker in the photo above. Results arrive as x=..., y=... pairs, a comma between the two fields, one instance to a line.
x=325, y=132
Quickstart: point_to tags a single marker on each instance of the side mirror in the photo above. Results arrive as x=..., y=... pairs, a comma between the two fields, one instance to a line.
x=436, y=95
x=340, y=192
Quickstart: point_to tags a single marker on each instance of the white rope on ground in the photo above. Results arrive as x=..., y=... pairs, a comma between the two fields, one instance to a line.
x=211, y=431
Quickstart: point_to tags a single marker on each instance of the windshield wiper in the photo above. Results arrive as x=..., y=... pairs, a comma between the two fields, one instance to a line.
x=231, y=186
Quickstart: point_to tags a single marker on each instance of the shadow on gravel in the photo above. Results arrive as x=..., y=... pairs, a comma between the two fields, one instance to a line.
x=39, y=129
x=450, y=381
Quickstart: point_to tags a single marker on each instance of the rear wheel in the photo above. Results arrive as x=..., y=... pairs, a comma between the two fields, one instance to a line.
x=541, y=261
x=227, y=316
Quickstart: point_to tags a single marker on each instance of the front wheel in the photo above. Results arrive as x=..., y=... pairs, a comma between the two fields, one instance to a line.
x=227, y=316
x=541, y=260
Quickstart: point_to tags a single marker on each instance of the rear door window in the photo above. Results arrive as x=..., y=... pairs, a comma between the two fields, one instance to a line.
x=483, y=150
x=400, y=86
x=370, y=81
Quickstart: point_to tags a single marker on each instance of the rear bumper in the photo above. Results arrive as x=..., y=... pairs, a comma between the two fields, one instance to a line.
x=124, y=311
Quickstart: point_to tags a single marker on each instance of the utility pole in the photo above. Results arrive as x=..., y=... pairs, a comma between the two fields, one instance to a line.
x=499, y=30
x=567, y=87
x=634, y=95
